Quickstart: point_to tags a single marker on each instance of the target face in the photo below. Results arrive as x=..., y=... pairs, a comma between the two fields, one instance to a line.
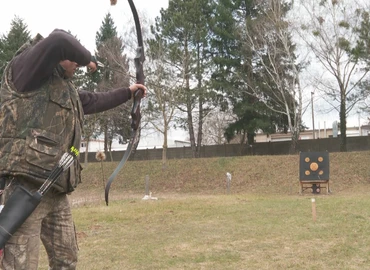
x=314, y=166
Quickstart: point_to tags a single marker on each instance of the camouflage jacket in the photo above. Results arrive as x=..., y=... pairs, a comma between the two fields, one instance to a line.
x=37, y=128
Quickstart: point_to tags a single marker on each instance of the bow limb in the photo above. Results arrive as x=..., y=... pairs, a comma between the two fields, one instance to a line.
x=135, y=111
x=139, y=60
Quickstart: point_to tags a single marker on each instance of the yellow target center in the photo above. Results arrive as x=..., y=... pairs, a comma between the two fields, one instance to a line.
x=314, y=166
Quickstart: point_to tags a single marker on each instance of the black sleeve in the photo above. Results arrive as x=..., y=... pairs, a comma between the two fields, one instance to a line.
x=95, y=102
x=34, y=66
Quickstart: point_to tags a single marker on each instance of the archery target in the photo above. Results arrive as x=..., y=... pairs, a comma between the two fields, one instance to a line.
x=314, y=166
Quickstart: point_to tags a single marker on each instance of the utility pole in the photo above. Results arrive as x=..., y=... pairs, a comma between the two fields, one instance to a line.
x=313, y=117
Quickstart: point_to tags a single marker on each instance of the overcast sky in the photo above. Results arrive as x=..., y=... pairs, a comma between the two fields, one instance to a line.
x=82, y=17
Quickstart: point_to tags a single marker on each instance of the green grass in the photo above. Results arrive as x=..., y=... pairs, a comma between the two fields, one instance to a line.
x=262, y=224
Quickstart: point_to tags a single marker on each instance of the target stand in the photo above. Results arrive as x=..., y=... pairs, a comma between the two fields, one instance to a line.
x=314, y=172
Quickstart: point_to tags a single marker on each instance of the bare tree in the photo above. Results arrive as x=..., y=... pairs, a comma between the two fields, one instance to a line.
x=329, y=29
x=164, y=90
x=162, y=81
x=214, y=127
x=269, y=38
x=115, y=74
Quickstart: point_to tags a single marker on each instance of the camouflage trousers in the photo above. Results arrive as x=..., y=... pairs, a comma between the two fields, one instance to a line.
x=52, y=223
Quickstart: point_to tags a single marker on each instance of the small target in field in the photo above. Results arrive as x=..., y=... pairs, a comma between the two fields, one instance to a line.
x=314, y=171
x=314, y=166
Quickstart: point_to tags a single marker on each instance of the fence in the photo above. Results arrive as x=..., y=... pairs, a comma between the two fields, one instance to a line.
x=360, y=143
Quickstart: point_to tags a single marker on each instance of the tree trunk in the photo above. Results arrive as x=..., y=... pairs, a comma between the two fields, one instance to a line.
x=294, y=144
x=164, y=151
x=87, y=151
x=343, y=123
x=110, y=149
x=105, y=140
x=201, y=101
x=200, y=127
x=188, y=100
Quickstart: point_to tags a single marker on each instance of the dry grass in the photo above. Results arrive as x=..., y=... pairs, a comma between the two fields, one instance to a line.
x=262, y=224
x=251, y=174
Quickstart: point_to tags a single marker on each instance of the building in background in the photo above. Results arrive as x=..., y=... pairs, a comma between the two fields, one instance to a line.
x=363, y=130
x=98, y=145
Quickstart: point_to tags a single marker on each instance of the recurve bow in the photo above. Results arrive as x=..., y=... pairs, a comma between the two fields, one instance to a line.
x=135, y=111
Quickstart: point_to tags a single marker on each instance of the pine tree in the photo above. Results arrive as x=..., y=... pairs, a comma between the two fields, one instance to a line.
x=183, y=29
x=11, y=42
x=362, y=51
x=241, y=49
x=115, y=74
x=106, y=31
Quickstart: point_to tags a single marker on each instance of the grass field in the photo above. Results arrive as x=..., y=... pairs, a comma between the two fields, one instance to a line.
x=263, y=223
